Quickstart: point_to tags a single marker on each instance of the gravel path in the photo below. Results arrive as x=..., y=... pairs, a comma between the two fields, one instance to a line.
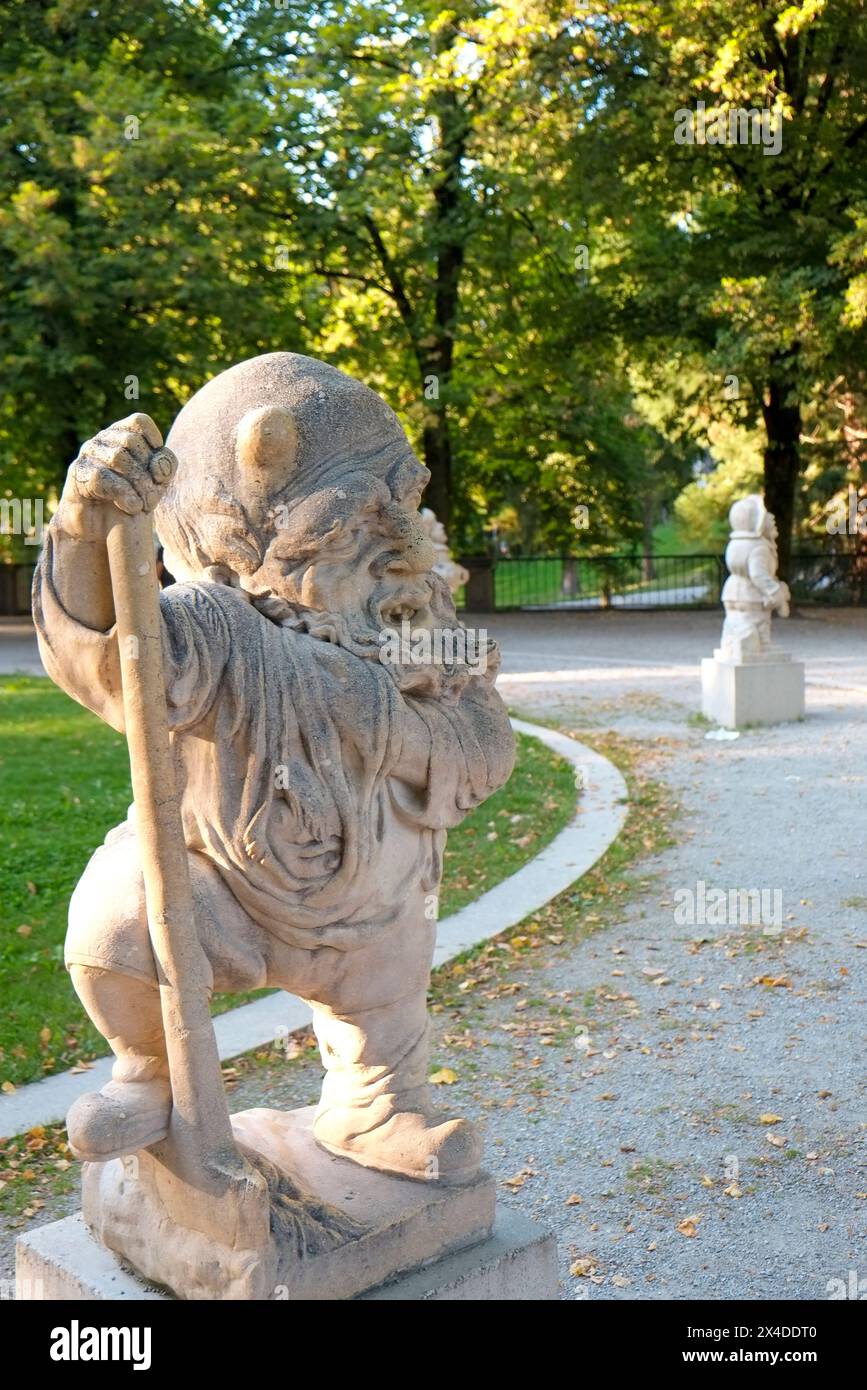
x=698, y=1086
x=692, y=1057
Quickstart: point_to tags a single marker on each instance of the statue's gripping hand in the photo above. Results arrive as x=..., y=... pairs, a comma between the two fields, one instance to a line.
x=124, y=467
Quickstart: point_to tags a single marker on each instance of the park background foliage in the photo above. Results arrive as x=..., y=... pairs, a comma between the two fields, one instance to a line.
x=483, y=212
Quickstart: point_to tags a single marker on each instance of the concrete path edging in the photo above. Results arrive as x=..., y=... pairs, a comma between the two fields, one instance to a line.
x=598, y=818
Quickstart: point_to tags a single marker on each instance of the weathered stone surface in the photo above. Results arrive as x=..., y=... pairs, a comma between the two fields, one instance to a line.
x=366, y=1226
x=516, y=1263
x=293, y=786
x=401, y=1224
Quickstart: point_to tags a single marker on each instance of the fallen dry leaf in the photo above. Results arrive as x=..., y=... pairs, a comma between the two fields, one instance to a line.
x=444, y=1077
x=769, y=1118
x=519, y=1179
x=689, y=1226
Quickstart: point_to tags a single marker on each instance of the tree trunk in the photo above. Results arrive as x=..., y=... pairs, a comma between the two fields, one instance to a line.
x=437, y=449
x=449, y=238
x=782, y=464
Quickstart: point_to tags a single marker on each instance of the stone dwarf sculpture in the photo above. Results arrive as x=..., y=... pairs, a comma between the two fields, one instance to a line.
x=748, y=680
x=317, y=783
x=752, y=591
x=444, y=563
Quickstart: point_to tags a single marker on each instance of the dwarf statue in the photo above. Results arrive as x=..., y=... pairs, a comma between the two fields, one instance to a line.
x=752, y=591
x=318, y=781
x=444, y=563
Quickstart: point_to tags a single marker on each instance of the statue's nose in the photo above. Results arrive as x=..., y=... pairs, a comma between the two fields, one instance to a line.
x=419, y=553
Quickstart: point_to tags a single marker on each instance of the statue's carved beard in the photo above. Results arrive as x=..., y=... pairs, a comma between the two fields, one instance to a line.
x=360, y=633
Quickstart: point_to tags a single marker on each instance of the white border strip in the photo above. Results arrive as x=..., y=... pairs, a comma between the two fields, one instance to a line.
x=598, y=818
x=599, y=815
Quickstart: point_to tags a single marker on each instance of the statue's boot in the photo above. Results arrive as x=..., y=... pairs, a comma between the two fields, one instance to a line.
x=376, y=1107
x=133, y=1110
x=120, y=1119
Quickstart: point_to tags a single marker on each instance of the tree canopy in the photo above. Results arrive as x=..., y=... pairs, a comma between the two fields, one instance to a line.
x=552, y=235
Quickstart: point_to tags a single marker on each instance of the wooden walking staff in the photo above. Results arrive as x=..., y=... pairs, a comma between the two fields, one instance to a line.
x=200, y=1137
x=200, y=1202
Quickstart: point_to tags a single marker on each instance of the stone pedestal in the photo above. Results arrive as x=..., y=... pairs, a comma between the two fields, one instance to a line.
x=429, y=1240
x=517, y=1262
x=762, y=690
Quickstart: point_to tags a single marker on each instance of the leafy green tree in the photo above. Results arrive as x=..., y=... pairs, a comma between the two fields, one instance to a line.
x=134, y=258
x=736, y=250
x=430, y=150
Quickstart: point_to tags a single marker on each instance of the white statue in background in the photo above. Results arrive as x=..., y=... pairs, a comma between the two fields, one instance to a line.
x=748, y=681
x=444, y=565
x=752, y=591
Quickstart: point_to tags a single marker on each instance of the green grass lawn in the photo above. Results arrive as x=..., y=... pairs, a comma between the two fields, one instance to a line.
x=64, y=782
x=525, y=580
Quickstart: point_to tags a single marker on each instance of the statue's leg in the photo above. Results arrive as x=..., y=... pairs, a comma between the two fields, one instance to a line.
x=132, y=1111
x=376, y=1106
x=109, y=957
x=370, y=1016
x=763, y=628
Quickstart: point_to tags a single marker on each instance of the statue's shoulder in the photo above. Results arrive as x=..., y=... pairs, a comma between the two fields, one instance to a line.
x=205, y=594
x=210, y=606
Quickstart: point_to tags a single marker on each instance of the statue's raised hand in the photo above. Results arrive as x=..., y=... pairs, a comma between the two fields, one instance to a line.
x=125, y=466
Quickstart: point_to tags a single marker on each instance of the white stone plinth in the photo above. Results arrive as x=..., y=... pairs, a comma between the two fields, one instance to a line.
x=736, y=694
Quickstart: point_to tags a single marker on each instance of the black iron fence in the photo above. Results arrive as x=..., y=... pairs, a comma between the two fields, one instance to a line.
x=596, y=581
x=635, y=581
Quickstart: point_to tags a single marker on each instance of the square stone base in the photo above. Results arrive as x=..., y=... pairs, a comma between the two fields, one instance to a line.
x=136, y=1208
x=137, y=1242
x=734, y=695
x=518, y=1262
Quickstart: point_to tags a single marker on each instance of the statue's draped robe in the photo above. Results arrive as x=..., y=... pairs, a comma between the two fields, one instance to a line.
x=289, y=753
